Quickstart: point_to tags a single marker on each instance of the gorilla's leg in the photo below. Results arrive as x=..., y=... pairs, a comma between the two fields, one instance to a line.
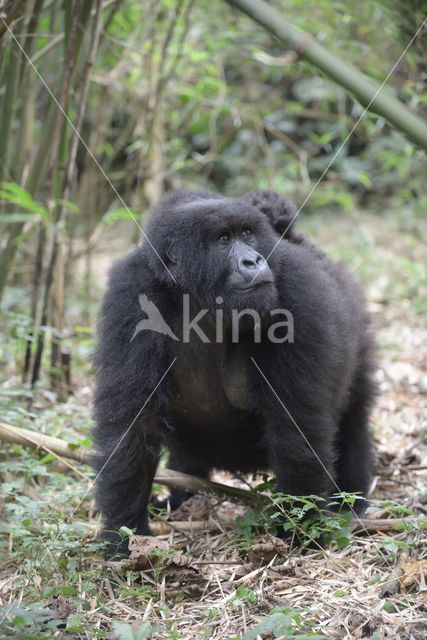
x=302, y=461
x=302, y=458
x=354, y=443
x=313, y=469
x=126, y=466
x=178, y=496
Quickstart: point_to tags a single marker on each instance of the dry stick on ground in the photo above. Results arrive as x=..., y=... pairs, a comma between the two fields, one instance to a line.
x=27, y=438
x=173, y=479
x=166, y=477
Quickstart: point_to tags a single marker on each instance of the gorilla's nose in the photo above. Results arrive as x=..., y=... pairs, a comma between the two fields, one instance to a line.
x=251, y=263
x=249, y=269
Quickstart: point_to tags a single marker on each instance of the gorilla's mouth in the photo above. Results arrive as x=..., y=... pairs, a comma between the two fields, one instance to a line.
x=252, y=286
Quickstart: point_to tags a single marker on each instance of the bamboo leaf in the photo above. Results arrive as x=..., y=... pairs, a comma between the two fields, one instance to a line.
x=14, y=218
x=119, y=214
x=13, y=193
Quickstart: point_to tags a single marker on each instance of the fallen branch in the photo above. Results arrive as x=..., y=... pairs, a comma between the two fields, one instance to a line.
x=55, y=446
x=173, y=479
x=178, y=480
x=361, y=526
x=166, y=477
x=365, y=525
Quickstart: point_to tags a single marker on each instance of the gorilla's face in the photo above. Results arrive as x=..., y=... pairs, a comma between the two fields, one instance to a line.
x=240, y=272
x=216, y=250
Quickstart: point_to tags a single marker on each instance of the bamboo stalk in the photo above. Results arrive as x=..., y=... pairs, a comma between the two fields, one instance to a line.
x=369, y=93
x=73, y=39
x=35, y=292
x=7, y=111
x=6, y=22
x=54, y=42
x=58, y=303
x=36, y=176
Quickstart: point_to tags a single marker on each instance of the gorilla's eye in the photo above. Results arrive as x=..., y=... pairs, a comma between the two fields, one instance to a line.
x=246, y=233
x=224, y=237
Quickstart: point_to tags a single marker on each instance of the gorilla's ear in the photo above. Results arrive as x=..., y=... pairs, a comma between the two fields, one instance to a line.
x=280, y=211
x=170, y=254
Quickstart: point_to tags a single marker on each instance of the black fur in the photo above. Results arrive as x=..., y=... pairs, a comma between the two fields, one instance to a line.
x=214, y=409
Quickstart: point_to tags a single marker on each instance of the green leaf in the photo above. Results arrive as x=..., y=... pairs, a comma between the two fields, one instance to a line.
x=365, y=180
x=82, y=329
x=14, y=218
x=120, y=214
x=67, y=204
x=68, y=591
x=74, y=623
x=47, y=458
x=14, y=194
x=389, y=607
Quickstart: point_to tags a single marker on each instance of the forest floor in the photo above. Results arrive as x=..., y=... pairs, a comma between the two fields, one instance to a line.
x=54, y=583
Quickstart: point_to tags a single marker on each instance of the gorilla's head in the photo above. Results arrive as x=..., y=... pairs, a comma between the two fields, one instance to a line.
x=216, y=247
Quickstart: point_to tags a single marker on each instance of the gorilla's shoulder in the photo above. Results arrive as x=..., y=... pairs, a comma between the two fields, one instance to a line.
x=130, y=273
x=307, y=271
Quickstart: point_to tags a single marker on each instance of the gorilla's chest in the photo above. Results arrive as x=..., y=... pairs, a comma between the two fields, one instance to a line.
x=211, y=382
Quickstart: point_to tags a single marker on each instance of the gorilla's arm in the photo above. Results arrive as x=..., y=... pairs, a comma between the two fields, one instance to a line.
x=299, y=429
x=306, y=381
x=127, y=403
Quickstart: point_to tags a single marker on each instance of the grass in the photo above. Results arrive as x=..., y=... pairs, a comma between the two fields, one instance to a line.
x=54, y=583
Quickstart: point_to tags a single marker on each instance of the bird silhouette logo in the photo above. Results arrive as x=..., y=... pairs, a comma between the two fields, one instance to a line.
x=154, y=320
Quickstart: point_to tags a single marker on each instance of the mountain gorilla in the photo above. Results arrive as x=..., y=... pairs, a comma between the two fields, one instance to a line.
x=242, y=399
